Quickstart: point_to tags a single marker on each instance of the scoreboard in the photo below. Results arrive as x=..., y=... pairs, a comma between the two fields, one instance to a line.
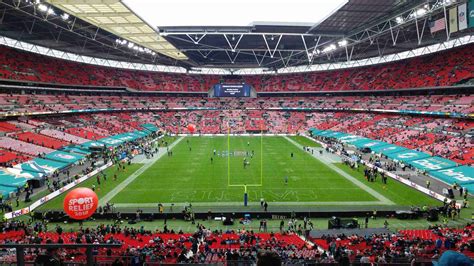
x=231, y=90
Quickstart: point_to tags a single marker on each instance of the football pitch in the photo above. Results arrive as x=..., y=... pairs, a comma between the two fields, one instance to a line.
x=271, y=173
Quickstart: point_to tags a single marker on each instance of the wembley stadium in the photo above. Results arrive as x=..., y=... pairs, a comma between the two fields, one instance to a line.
x=140, y=132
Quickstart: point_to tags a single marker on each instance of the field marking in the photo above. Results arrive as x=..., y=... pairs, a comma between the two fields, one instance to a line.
x=137, y=173
x=356, y=182
x=251, y=203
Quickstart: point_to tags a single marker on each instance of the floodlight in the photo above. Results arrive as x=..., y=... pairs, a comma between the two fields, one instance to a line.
x=65, y=16
x=420, y=12
x=42, y=7
x=342, y=43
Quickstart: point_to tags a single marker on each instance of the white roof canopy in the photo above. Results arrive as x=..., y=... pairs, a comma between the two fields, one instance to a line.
x=115, y=17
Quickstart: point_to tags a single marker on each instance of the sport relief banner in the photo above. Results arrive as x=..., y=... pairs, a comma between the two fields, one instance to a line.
x=462, y=175
x=54, y=194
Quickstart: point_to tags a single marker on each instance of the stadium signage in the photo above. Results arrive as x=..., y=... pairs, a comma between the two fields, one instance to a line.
x=457, y=175
x=80, y=203
x=232, y=90
x=54, y=194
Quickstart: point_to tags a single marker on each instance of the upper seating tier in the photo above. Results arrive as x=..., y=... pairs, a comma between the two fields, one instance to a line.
x=440, y=69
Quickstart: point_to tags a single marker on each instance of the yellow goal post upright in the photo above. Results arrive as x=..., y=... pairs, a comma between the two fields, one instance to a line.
x=245, y=186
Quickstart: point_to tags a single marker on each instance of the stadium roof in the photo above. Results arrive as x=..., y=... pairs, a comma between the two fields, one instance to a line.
x=358, y=30
x=115, y=17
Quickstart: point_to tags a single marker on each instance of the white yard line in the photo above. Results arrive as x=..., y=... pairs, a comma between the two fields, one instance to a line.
x=383, y=200
x=133, y=176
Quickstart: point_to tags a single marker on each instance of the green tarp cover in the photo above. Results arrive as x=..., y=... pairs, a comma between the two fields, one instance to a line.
x=463, y=175
x=408, y=155
x=432, y=163
x=62, y=156
x=387, y=149
x=11, y=177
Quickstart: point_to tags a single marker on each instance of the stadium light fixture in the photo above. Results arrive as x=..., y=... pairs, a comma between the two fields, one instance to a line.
x=342, y=43
x=399, y=20
x=42, y=7
x=420, y=12
x=50, y=11
x=65, y=16
x=329, y=48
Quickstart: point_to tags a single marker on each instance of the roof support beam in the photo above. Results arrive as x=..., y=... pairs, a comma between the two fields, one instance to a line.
x=446, y=23
x=233, y=47
x=256, y=57
x=196, y=39
x=272, y=51
x=232, y=59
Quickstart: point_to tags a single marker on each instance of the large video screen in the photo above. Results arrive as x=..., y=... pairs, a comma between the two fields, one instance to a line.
x=231, y=90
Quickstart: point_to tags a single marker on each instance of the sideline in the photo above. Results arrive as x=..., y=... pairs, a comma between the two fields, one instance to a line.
x=383, y=200
x=137, y=173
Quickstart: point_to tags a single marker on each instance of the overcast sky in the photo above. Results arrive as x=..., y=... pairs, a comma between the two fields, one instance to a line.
x=231, y=12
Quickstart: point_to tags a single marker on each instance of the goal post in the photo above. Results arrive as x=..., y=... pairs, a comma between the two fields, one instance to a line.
x=230, y=183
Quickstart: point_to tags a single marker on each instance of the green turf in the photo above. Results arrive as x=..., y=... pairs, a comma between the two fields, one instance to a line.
x=189, y=176
x=394, y=190
x=102, y=190
x=305, y=141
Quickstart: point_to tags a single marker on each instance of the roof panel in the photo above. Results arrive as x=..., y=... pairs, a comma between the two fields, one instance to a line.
x=115, y=17
x=356, y=13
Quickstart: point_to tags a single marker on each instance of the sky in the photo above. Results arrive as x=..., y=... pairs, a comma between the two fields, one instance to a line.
x=231, y=12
